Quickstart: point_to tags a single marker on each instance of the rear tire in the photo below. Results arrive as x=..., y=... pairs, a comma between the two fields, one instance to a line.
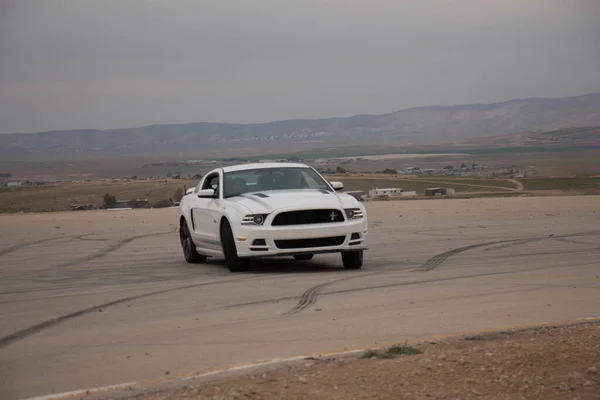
x=303, y=257
x=352, y=259
x=188, y=245
x=234, y=263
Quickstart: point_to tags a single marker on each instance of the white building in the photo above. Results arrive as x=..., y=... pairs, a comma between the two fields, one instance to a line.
x=408, y=194
x=14, y=184
x=385, y=192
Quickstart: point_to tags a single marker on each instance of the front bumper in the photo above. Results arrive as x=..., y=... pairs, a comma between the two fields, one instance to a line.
x=264, y=241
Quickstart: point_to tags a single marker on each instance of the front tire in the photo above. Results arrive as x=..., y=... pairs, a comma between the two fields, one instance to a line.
x=188, y=245
x=352, y=259
x=234, y=263
x=303, y=257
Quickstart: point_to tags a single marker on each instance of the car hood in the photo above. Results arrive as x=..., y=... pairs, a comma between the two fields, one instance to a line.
x=268, y=201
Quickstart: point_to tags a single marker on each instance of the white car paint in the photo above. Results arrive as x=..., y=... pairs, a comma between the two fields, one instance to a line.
x=204, y=214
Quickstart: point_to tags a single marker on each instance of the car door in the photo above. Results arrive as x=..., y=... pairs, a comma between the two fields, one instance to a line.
x=213, y=225
x=204, y=214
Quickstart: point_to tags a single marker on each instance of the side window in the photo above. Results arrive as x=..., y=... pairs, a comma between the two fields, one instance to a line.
x=211, y=182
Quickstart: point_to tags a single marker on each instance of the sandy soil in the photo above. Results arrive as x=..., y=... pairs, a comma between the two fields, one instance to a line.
x=545, y=363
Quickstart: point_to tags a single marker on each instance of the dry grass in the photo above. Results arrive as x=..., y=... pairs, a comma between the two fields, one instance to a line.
x=61, y=196
x=577, y=184
x=364, y=182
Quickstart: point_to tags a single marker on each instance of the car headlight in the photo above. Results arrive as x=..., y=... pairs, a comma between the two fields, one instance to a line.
x=353, y=213
x=254, y=219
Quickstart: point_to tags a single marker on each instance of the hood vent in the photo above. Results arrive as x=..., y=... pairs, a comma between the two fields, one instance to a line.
x=260, y=195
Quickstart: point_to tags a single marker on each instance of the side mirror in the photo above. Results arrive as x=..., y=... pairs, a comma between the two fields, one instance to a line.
x=190, y=191
x=207, y=193
x=337, y=185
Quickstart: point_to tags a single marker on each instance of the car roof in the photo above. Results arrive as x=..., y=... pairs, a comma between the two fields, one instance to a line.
x=244, y=167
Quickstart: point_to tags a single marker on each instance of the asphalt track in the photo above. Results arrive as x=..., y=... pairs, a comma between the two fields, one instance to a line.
x=91, y=299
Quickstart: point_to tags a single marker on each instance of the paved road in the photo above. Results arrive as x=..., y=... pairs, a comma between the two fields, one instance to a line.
x=99, y=298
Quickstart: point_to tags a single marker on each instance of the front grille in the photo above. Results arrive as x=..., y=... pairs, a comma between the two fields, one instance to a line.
x=306, y=243
x=302, y=217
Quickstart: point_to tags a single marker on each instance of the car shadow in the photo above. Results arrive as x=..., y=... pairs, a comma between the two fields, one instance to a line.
x=286, y=265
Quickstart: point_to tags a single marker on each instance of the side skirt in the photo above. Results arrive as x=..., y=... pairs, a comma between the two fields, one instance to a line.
x=210, y=252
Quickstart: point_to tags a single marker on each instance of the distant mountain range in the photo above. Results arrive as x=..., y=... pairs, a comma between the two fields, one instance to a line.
x=420, y=125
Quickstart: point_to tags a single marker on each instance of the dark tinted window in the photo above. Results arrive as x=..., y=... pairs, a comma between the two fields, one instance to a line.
x=264, y=179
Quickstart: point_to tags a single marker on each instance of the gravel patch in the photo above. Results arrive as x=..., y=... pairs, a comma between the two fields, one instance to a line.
x=542, y=363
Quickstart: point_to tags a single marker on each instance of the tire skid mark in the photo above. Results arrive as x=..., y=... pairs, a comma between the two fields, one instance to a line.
x=20, y=246
x=81, y=286
x=90, y=236
x=516, y=242
x=553, y=253
x=26, y=291
x=452, y=278
x=114, y=247
x=87, y=238
x=309, y=297
x=24, y=333
x=437, y=234
x=409, y=283
x=562, y=239
x=578, y=234
x=438, y=259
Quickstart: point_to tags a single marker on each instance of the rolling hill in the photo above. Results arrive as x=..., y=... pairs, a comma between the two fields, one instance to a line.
x=420, y=125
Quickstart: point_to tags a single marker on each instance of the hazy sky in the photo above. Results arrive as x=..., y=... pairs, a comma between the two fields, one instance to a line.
x=123, y=63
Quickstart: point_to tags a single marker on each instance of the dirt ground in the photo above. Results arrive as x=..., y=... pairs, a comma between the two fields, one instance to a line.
x=542, y=363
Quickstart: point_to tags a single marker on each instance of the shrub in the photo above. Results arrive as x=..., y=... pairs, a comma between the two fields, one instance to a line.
x=178, y=194
x=110, y=201
x=162, y=204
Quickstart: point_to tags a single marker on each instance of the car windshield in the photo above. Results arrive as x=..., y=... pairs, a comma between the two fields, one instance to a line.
x=263, y=179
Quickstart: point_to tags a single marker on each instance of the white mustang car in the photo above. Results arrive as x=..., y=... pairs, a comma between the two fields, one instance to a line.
x=250, y=211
